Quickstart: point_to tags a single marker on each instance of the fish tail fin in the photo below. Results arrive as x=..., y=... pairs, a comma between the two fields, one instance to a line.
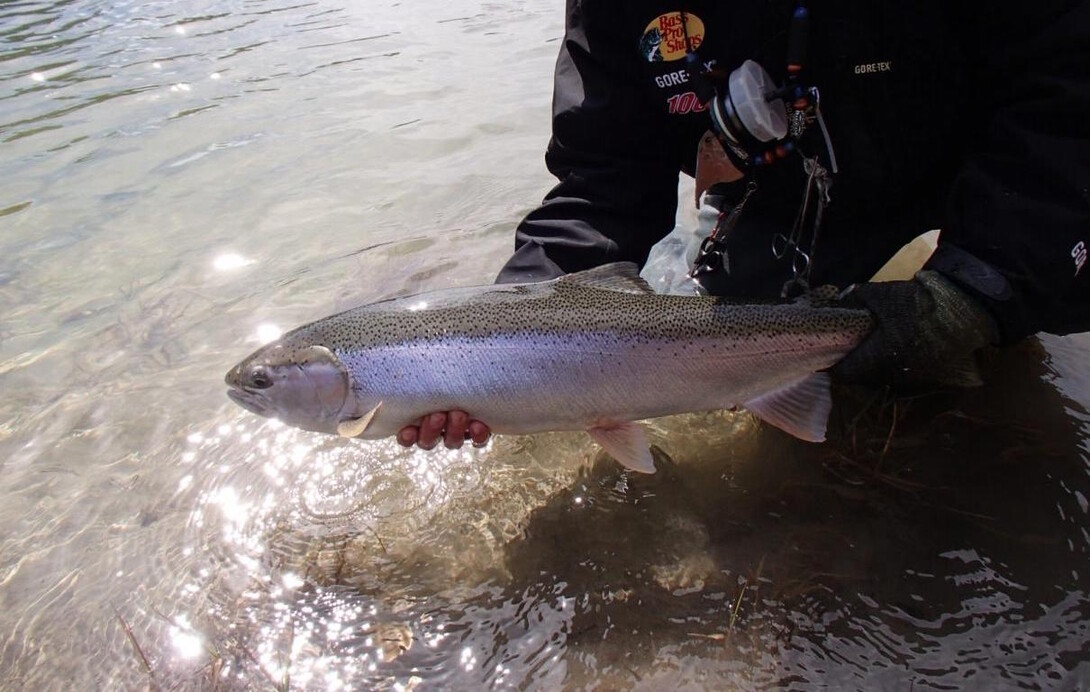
x=958, y=372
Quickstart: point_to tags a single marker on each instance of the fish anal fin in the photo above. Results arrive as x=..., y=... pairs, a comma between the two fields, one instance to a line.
x=801, y=408
x=617, y=276
x=625, y=442
x=354, y=427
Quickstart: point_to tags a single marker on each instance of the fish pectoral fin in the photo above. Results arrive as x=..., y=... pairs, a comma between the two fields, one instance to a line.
x=800, y=408
x=626, y=443
x=354, y=427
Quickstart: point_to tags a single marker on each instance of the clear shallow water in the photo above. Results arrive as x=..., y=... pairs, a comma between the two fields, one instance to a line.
x=182, y=179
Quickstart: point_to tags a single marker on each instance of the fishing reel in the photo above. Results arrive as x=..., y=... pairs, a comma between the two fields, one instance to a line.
x=757, y=121
x=749, y=118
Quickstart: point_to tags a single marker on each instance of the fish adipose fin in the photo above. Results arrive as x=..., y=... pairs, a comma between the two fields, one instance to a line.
x=618, y=276
x=800, y=409
x=626, y=443
x=354, y=427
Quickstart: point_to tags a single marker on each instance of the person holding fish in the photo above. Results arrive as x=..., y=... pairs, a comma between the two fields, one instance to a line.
x=824, y=139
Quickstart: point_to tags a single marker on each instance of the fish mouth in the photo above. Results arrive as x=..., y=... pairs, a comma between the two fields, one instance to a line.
x=251, y=401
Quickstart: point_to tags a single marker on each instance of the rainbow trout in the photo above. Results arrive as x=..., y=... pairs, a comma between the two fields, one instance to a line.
x=595, y=351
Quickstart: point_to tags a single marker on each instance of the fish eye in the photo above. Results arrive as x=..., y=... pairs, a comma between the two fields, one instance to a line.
x=259, y=378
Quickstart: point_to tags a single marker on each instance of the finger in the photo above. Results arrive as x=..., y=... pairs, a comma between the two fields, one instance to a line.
x=479, y=433
x=406, y=437
x=457, y=423
x=430, y=430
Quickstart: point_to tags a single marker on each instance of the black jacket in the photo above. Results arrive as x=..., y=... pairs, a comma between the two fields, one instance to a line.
x=969, y=117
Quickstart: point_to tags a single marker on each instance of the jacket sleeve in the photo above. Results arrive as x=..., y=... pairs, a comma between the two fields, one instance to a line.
x=1018, y=221
x=610, y=150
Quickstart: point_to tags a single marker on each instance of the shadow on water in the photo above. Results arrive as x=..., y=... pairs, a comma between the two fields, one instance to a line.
x=938, y=541
x=935, y=540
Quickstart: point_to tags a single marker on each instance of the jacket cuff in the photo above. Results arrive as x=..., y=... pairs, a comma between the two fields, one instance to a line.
x=1006, y=304
x=529, y=264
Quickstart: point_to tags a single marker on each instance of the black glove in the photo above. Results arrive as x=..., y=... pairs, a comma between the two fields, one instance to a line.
x=926, y=331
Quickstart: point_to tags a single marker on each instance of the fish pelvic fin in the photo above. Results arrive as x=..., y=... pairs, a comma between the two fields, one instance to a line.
x=801, y=408
x=617, y=276
x=626, y=443
x=354, y=427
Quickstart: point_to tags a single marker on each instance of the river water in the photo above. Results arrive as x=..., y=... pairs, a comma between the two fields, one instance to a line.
x=182, y=180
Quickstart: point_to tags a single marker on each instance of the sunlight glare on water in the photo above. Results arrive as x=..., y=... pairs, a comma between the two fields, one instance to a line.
x=184, y=181
x=230, y=261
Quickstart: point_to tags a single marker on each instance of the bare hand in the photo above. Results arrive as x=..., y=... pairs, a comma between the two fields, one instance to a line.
x=454, y=427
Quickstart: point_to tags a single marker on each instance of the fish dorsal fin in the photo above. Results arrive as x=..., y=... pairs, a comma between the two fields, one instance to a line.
x=819, y=296
x=618, y=276
x=800, y=408
x=626, y=443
